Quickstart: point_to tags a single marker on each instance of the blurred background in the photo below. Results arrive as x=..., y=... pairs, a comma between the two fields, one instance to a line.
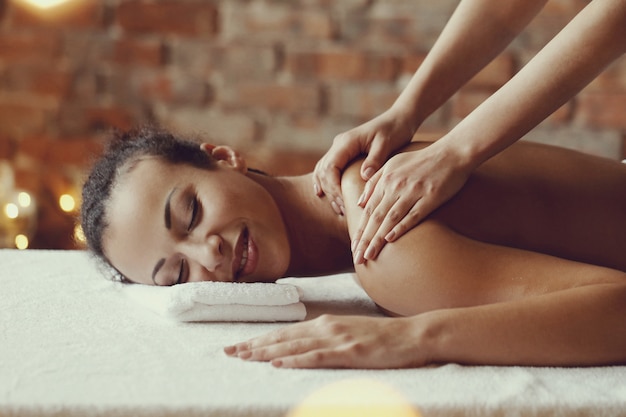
x=277, y=79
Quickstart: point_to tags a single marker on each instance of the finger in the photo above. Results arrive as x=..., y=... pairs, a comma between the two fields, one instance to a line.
x=317, y=188
x=331, y=185
x=279, y=350
x=321, y=358
x=376, y=157
x=392, y=218
x=370, y=186
x=415, y=215
x=328, y=182
x=346, y=146
x=371, y=232
x=293, y=331
x=361, y=238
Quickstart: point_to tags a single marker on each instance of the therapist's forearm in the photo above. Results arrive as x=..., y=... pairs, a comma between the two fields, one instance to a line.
x=475, y=34
x=590, y=42
x=575, y=327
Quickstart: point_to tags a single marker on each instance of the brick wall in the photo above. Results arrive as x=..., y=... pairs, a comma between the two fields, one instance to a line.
x=274, y=78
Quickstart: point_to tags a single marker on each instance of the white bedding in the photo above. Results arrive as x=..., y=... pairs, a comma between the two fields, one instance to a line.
x=71, y=345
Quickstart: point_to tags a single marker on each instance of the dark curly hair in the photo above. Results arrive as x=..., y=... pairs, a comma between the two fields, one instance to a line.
x=123, y=151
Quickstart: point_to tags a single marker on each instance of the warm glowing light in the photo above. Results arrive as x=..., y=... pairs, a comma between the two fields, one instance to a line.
x=67, y=203
x=23, y=199
x=21, y=242
x=11, y=210
x=79, y=235
x=355, y=398
x=45, y=4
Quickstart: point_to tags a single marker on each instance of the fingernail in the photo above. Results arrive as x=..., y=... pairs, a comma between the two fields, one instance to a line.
x=370, y=253
x=361, y=198
x=335, y=207
x=390, y=236
x=277, y=363
x=354, y=245
x=316, y=188
x=368, y=173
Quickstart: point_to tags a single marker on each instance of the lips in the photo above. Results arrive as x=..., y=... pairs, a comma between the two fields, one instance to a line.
x=245, y=255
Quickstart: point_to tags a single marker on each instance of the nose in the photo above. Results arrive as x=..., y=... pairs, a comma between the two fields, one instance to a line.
x=207, y=252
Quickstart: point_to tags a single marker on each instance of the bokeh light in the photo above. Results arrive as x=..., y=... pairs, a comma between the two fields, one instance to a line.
x=355, y=398
x=21, y=242
x=11, y=210
x=67, y=203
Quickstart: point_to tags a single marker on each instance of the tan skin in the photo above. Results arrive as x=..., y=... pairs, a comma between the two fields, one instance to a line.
x=540, y=281
x=415, y=185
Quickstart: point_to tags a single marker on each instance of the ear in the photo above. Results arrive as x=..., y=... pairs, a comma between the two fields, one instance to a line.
x=226, y=155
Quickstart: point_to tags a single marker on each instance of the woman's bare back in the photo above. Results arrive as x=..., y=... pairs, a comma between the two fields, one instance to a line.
x=533, y=220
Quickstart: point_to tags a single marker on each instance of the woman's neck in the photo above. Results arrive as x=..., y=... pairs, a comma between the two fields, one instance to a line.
x=319, y=239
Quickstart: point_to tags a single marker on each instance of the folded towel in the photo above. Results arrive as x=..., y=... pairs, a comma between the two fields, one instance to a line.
x=220, y=301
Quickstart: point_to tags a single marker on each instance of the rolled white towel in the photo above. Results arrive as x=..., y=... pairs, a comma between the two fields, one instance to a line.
x=220, y=301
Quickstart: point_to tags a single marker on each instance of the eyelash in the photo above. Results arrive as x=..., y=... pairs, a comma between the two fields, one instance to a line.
x=194, y=205
x=180, y=273
x=194, y=213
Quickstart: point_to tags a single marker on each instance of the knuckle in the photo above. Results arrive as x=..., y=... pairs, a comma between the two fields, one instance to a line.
x=278, y=337
x=377, y=216
x=259, y=354
x=318, y=357
x=356, y=349
x=295, y=346
x=412, y=216
x=394, y=215
x=387, y=177
x=341, y=137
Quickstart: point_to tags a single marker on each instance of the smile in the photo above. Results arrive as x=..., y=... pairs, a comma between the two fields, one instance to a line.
x=245, y=255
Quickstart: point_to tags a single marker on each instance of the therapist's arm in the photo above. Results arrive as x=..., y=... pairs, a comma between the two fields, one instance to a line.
x=589, y=43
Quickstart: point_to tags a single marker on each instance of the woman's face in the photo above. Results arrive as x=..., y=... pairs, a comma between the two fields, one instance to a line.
x=172, y=224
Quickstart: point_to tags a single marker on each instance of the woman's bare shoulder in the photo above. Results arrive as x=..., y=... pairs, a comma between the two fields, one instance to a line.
x=352, y=184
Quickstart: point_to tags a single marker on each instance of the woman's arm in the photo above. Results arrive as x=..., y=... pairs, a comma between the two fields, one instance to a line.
x=575, y=327
x=581, y=326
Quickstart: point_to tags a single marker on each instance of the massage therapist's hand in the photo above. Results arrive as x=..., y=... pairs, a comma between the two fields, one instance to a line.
x=339, y=342
x=408, y=188
x=377, y=138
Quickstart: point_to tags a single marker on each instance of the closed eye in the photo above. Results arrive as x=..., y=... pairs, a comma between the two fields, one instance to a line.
x=194, y=213
x=180, y=272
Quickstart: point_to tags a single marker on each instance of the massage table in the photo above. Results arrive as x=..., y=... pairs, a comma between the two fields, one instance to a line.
x=72, y=346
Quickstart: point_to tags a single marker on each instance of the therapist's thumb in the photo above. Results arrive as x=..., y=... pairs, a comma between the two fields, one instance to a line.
x=375, y=159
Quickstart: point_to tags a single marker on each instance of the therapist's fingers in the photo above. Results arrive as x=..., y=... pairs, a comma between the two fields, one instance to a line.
x=374, y=212
x=328, y=183
x=327, y=173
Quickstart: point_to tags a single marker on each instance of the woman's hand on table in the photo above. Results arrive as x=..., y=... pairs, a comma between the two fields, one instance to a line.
x=377, y=139
x=339, y=342
x=407, y=189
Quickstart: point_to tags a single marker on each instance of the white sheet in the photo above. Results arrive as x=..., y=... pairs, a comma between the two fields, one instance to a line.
x=71, y=346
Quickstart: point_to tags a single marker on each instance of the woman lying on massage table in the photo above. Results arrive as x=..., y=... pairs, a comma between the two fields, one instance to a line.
x=525, y=266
